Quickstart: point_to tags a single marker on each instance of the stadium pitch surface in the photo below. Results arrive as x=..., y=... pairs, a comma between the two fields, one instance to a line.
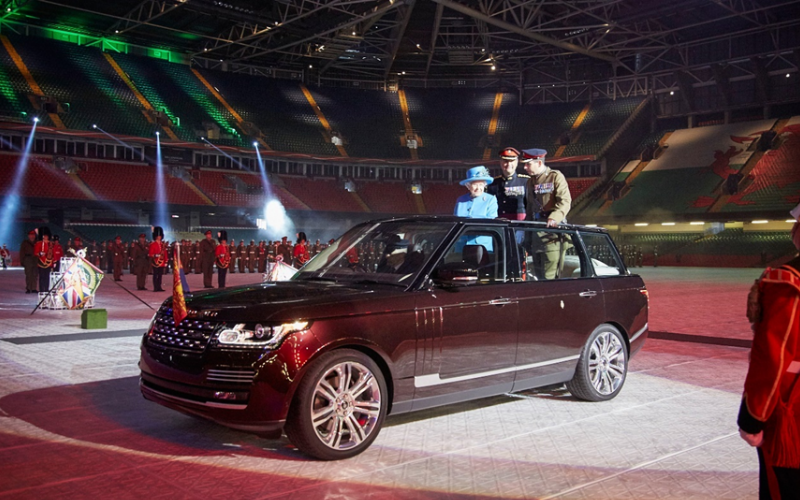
x=74, y=425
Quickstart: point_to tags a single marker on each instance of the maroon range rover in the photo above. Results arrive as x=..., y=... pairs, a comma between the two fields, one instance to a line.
x=400, y=315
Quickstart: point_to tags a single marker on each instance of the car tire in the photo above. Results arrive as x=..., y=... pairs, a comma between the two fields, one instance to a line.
x=602, y=366
x=339, y=406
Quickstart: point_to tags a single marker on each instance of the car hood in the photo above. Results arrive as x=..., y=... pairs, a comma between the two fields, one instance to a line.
x=281, y=301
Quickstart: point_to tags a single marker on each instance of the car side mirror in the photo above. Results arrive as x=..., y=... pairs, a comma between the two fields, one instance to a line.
x=455, y=274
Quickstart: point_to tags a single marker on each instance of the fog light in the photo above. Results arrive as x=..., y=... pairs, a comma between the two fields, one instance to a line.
x=224, y=395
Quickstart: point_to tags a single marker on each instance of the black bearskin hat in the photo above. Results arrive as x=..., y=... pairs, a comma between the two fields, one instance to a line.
x=222, y=235
x=158, y=231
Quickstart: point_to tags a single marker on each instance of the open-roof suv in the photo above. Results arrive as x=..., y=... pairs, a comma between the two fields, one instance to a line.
x=399, y=315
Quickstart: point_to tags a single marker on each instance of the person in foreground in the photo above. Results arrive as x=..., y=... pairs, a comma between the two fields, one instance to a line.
x=769, y=416
x=477, y=204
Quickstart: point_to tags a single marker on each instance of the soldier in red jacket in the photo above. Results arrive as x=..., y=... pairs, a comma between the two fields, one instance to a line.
x=769, y=417
x=158, y=257
x=45, y=252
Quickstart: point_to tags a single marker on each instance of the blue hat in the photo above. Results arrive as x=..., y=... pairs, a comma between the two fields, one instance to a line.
x=533, y=154
x=477, y=174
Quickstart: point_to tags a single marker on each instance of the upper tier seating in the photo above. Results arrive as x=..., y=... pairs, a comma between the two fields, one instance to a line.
x=175, y=90
x=83, y=82
x=13, y=87
x=602, y=120
x=451, y=122
x=42, y=179
x=775, y=181
x=692, y=166
x=278, y=108
x=371, y=122
x=535, y=125
x=133, y=183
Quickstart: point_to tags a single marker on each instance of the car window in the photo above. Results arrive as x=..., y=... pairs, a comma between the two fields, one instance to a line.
x=603, y=255
x=481, y=248
x=388, y=252
x=548, y=254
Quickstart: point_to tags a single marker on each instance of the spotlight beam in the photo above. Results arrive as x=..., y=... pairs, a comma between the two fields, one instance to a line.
x=161, y=192
x=263, y=171
x=11, y=201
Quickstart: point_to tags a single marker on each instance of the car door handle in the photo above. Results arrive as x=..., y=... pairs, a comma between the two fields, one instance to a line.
x=500, y=302
x=587, y=294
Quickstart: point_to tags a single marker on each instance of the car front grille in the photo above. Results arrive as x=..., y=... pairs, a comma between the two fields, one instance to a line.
x=190, y=335
x=231, y=375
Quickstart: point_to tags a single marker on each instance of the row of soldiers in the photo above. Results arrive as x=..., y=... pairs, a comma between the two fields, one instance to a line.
x=39, y=255
x=244, y=258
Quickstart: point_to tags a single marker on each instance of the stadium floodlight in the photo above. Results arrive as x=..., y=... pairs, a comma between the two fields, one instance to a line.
x=760, y=222
x=35, y=119
x=94, y=125
x=696, y=223
x=255, y=143
x=641, y=224
x=667, y=223
x=158, y=133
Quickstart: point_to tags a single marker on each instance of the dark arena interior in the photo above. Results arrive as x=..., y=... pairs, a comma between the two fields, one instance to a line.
x=675, y=124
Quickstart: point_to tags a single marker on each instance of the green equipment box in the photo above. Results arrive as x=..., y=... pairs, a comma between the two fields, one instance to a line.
x=92, y=319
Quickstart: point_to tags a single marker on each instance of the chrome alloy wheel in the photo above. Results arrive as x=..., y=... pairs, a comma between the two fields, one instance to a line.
x=607, y=363
x=346, y=405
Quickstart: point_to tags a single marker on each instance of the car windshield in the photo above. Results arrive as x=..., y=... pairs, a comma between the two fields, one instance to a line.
x=383, y=252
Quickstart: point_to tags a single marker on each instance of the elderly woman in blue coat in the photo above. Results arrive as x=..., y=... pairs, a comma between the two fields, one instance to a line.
x=477, y=204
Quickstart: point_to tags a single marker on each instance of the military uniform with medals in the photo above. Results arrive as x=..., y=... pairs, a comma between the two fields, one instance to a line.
x=510, y=191
x=547, y=199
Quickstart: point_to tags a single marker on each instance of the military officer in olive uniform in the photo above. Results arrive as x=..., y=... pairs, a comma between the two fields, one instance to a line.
x=547, y=196
x=509, y=188
x=141, y=261
x=241, y=256
x=547, y=200
x=207, y=249
x=232, y=255
x=252, y=257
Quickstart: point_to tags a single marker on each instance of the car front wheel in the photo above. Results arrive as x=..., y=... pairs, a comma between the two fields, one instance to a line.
x=339, y=406
x=602, y=367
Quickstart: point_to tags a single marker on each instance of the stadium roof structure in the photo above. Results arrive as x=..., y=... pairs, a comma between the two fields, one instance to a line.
x=515, y=40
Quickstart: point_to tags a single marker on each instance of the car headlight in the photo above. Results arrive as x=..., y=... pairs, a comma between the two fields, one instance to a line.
x=244, y=335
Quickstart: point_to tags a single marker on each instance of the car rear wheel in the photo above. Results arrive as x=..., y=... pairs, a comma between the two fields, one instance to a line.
x=339, y=406
x=602, y=367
